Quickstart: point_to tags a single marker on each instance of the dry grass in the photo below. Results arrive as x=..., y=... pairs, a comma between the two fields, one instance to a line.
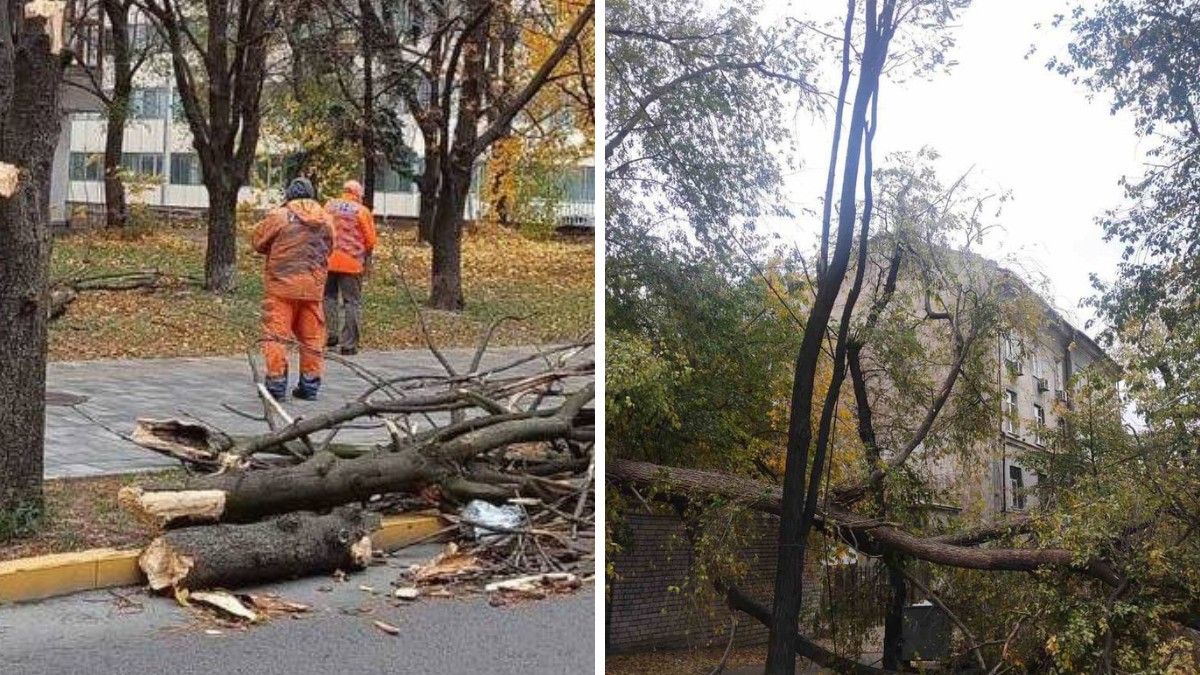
x=503, y=274
x=82, y=513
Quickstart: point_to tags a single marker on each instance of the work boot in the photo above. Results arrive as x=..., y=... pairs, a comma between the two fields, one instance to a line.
x=349, y=351
x=331, y=343
x=276, y=387
x=306, y=388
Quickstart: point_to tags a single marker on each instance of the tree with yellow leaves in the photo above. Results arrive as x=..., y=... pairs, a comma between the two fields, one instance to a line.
x=528, y=170
x=454, y=64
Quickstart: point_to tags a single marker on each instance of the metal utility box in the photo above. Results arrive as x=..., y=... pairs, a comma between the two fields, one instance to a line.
x=926, y=631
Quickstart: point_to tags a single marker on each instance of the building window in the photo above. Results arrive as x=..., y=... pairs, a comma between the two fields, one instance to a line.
x=1016, y=480
x=87, y=37
x=148, y=104
x=87, y=166
x=141, y=36
x=142, y=163
x=580, y=185
x=268, y=172
x=1012, y=354
x=185, y=170
x=1039, y=424
x=388, y=179
x=1009, y=411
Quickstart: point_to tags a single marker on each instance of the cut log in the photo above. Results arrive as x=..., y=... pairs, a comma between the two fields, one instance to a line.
x=287, y=547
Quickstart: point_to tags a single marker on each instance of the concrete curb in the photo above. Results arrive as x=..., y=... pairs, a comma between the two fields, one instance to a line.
x=47, y=576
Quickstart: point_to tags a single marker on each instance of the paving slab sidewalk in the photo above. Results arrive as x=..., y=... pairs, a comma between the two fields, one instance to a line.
x=120, y=391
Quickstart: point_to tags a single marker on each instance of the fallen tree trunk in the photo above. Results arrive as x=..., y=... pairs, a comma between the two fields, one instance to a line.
x=865, y=534
x=325, y=480
x=290, y=546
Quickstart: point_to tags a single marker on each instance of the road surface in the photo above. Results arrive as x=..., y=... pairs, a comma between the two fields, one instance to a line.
x=91, y=633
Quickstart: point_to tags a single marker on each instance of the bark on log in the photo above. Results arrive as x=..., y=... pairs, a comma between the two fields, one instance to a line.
x=287, y=547
x=862, y=533
x=243, y=496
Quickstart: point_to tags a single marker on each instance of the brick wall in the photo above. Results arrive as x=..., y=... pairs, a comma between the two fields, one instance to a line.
x=644, y=613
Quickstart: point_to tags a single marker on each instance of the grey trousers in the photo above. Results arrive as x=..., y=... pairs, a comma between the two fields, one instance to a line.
x=349, y=288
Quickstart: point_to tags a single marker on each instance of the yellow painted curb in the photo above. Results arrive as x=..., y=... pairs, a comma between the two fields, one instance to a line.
x=56, y=574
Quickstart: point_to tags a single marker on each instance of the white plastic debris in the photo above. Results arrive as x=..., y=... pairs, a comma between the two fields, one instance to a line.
x=508, y=517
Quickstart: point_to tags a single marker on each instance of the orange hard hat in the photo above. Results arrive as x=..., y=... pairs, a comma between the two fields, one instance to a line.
x=353, y=187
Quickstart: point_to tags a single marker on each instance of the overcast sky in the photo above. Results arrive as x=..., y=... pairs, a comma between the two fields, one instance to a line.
x=1022, y=128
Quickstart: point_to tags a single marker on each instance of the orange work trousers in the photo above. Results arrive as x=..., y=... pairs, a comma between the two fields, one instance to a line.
x=286, y=320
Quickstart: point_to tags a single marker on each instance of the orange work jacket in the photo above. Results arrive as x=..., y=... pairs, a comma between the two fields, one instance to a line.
x=355, y=234
x=297, y=239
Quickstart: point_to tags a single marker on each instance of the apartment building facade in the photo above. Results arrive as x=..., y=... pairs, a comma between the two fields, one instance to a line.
x=1037, y=380
x=1035, y=370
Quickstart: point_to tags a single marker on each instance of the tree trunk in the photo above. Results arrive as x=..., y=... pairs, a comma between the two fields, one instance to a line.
x=893, y=623
x=427, y=186
x=220, y=257
x=445, y=290
x=369, y=149
x=800, y=495
x=288, y=547
x=116, y=212
x=321, y=482
x=30, y=121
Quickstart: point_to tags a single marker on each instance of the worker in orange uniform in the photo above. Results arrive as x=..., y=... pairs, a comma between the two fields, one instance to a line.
x=297, y=239
x=352, y=246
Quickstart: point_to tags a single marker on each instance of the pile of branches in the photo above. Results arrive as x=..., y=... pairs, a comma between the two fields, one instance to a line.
x=295, y=501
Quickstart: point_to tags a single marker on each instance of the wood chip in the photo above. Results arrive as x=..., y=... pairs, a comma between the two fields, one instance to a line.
x=407, y=593
x=224, y=602
x=386, y=627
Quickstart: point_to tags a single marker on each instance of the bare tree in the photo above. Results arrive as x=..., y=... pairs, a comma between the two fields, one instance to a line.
x=219, y=54
x=30, y=76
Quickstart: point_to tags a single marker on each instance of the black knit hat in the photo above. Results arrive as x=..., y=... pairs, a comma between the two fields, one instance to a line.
x=299, y=188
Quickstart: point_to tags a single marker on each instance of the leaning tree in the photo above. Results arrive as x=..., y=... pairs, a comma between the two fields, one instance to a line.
x=31, y=66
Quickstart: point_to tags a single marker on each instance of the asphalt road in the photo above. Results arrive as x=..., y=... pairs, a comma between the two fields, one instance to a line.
x=97, y=633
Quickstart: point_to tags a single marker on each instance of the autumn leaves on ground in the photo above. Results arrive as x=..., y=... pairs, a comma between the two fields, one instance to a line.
x=548, y=282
